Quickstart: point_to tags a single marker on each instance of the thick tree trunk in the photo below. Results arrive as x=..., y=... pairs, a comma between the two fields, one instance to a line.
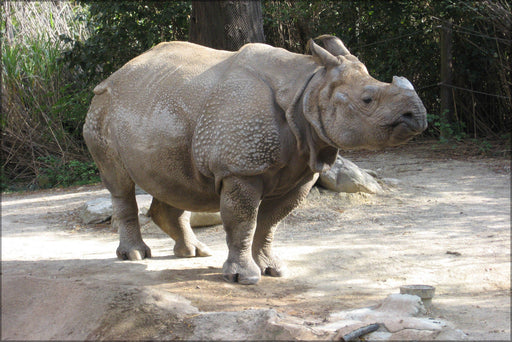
x=226, y=25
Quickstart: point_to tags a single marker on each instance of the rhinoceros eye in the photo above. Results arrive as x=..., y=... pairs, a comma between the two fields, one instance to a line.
x=367, y=100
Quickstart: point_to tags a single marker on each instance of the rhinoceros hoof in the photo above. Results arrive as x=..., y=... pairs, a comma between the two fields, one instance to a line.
x=188, y=249
x=270, y=266
x=273, y=271
x=246, y=274
x=133, y=253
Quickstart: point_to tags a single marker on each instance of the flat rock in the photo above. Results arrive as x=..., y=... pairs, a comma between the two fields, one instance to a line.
x=397, y=317
x=402, y=305
x=253, y=324
x=167, y=301
x=96, y=211
x=345, y=176
x=198, y=219
x=100, y=210
x=451, y=334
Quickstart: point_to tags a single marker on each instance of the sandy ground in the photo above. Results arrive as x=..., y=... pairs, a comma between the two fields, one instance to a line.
x=441, y=222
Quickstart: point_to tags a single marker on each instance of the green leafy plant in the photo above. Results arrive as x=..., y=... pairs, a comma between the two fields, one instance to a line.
x=446, y=131
x=56, y=172
x=40, y=115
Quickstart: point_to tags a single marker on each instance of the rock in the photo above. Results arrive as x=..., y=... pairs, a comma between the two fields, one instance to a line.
x=255, y=324
x=450, y=334
x=96, y=211
x=205, y=219
x=413, y=335
x=402, y=305
x=314, y=193
x=167, y=301
x=100, y=210
x=144, y=202
x=394, y=324
x=345, y=176
x=397, y=318
x=391, y=181
x=378, y=336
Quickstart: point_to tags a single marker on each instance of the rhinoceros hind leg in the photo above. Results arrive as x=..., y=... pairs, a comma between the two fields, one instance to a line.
x=122, y=188
x=176, y=223
x=271, y=212
x=125, y=219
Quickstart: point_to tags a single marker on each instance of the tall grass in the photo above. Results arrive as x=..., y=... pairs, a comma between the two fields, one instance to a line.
x=38, y=119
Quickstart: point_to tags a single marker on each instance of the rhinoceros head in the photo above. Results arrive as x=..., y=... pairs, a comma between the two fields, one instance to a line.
x=350, y=109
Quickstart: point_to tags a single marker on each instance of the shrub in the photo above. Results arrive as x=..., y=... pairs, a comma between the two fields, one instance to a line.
x=40, y=116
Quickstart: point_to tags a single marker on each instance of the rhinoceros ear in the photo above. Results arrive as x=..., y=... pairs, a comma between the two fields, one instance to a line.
x=322, y=55
x=334, y=45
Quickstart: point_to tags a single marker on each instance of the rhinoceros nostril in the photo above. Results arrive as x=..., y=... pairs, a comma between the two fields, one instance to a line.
x=408, y=116
x=410, y=120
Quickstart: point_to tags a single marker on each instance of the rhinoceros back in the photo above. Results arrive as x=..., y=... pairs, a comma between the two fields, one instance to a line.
x=213, y=110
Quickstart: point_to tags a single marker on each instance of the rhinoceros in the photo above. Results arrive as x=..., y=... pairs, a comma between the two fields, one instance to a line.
x=245, y=133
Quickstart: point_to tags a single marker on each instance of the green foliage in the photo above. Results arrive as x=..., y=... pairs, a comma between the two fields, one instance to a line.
x=447, y=131
x=54, y=53
x=37, y=118
x=483, y=146
x=402, y=38
x=57, y=172
x=123, y=30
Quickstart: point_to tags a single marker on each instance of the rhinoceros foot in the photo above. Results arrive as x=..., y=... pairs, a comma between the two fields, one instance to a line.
x=245, y=273
x=270, y=264
x=188, y=249
x=133, y=252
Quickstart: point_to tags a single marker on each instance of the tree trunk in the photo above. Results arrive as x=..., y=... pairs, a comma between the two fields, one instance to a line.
x=226, y=25
x=447, y=107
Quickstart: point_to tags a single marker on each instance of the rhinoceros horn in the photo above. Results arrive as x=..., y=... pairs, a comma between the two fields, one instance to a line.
x=402, y=82
x=334, y=45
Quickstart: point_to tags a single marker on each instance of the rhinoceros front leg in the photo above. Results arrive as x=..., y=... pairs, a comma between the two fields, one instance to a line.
x=240, y=199
x=176, y=223
x=271, y=212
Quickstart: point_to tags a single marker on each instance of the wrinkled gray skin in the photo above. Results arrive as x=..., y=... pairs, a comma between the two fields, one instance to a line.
x=243, y=132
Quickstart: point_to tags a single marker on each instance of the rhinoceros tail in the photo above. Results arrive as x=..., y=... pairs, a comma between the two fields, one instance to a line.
x=102, y=87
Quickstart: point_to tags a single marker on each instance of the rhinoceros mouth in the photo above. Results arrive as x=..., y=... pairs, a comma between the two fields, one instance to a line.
x=401, y=133
x=404, y=128
x=414, y=122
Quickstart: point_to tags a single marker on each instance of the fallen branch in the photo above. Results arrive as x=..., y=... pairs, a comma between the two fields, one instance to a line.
x=358, y=332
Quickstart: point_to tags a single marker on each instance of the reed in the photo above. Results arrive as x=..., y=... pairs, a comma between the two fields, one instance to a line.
x=37, y=111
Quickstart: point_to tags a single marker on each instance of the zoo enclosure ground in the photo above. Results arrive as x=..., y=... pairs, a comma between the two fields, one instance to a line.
x=61, y=280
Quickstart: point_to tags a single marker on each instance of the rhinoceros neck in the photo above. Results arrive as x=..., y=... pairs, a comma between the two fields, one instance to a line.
x=319, y=149
x=285, y=72
x=292, y=78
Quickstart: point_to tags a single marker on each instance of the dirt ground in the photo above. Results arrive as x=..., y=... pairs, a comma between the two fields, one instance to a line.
x=444, y=220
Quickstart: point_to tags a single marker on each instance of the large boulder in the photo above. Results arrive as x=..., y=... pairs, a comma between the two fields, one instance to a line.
x=345, y=176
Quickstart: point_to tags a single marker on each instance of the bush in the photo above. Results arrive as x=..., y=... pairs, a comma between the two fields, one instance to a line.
x=54, y=53
x=56, y=172
x=121, y=31
x=40, y=118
